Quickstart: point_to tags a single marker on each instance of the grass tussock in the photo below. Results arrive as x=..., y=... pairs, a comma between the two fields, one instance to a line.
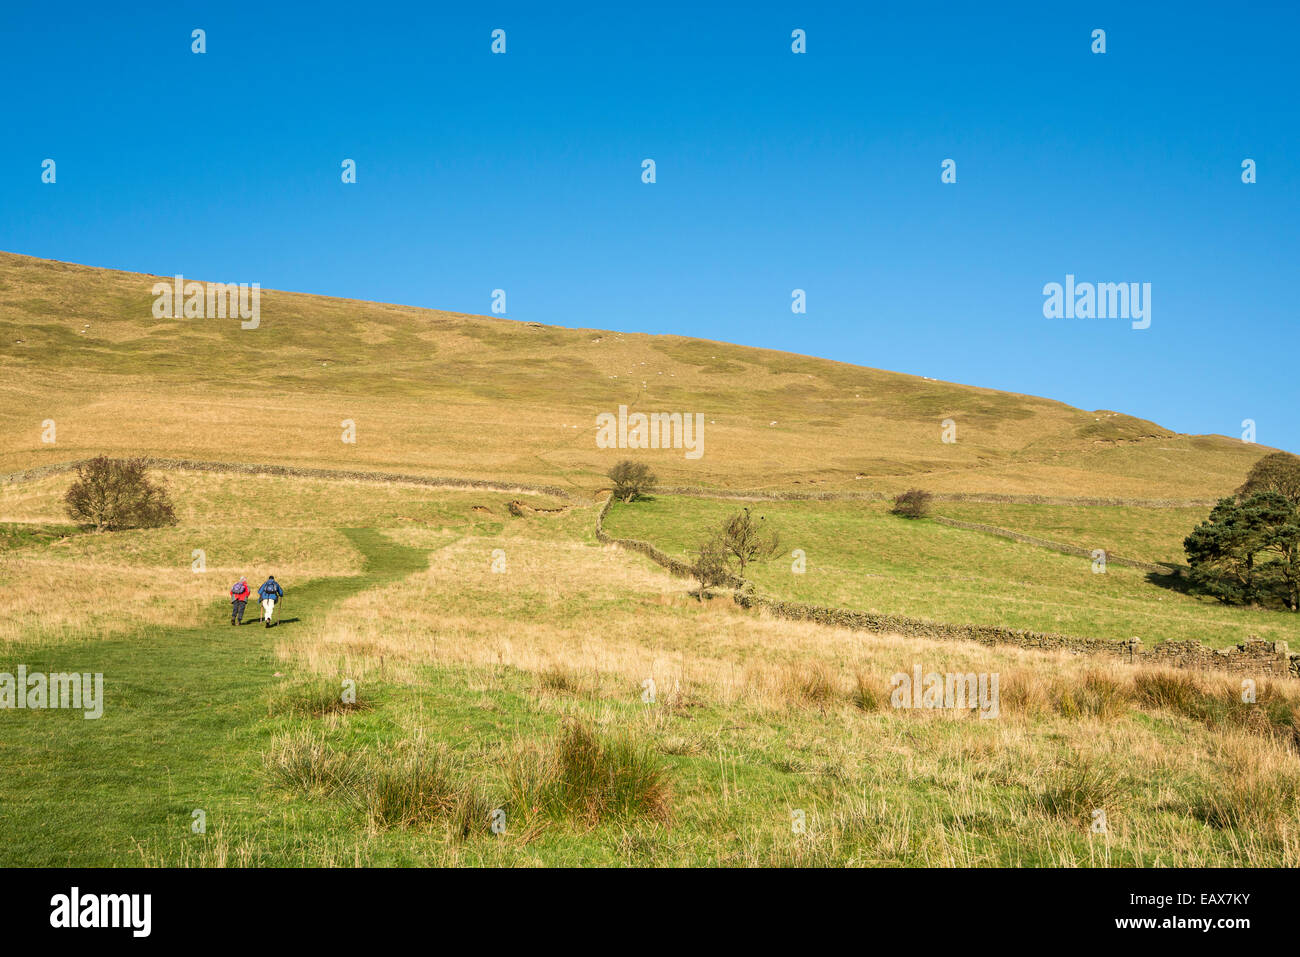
x=1107, y=695
x=868, y=695
x=560, y=680
x=413, y=785
x=810, y=684
x=417, y=786
x=1218, y=703
x=591, y=777
x=1257, y=789
x=1081, y=786
x=1098, y=695
x=302, y=760
x=317, y=697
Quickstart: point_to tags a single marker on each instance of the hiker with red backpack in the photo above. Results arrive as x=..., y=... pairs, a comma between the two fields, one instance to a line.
x=239, y=595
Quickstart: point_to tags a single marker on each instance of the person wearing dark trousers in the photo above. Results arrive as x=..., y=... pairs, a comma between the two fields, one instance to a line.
x=239, y=595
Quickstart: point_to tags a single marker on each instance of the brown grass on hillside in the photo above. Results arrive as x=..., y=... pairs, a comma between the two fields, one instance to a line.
x=517, y=402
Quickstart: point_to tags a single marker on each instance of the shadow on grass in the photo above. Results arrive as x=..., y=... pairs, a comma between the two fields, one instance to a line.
x=1173, y=580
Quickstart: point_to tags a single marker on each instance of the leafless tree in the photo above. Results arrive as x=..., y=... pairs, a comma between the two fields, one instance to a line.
x=110, y=494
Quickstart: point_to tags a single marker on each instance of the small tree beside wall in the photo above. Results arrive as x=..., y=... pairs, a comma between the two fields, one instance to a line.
x=110, y=494
x=914, y=503
x=632, y=480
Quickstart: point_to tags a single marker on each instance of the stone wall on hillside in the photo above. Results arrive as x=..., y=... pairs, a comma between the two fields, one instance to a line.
x=187, y=465
x=987, y=498
x=675, y=567
x=1255, y=657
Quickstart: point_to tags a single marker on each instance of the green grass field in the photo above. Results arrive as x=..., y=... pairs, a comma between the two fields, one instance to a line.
x=1144, y=534
x=861, y=557
x=473, y=687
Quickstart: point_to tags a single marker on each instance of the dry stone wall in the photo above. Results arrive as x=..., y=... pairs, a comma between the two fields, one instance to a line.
x=186, y=465
x=1253, y=657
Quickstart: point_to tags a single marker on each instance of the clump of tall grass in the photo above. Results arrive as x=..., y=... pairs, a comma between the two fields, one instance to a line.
x=1098, y=695
x=1095, y=694
x=417, y=785
x=315, y=698
x=867, y=694
x=413, y=785
x=1176, y=691
x=1079, y=787
x=589, y=776
x=302, y=760
x=1218, y=704
x=1258, y=789
x=560, y=680
x=809, y=684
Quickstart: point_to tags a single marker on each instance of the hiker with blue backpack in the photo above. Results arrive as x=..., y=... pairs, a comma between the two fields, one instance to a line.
x=269, y=593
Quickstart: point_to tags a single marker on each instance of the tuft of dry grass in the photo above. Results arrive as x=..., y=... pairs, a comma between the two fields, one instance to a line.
x=417, y=785
x=868, y=694
x=1257, y=789
x=302, y=760
x=1080, y=786
x=1098, y=695
x=589, y=776
x=559, y=679
x=810, y=683
x=315, y=697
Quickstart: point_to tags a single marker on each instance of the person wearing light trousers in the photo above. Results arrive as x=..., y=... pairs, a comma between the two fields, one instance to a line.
x=269, y=593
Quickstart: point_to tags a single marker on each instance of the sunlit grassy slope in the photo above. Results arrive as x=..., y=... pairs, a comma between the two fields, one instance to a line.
x=450, y=394
x=478, y=668
x=858, y=555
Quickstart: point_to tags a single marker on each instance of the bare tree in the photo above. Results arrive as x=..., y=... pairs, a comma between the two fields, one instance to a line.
x=632, y=480
x=747, y=539
x=710, y=567
x=116, y=493
x=914, y=503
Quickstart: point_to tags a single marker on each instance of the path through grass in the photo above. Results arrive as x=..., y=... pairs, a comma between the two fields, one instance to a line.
x=181, y=728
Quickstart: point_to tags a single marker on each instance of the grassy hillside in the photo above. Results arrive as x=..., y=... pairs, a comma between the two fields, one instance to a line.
x=524, y=690
x=861, y=557
x=449, y=394
x=501, y=656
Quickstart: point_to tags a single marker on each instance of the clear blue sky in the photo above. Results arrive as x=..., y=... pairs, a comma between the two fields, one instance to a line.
x=775, y=171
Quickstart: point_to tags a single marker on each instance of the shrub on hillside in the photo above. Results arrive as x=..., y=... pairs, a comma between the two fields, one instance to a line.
x=632, y=480
x=112, y=494
x=914, y=503
x=747, y=539
x=710, y=565
x=1276, y=472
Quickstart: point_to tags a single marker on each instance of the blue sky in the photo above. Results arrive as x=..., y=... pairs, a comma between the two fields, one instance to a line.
x=775, y=171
